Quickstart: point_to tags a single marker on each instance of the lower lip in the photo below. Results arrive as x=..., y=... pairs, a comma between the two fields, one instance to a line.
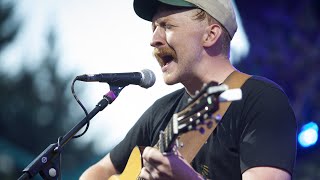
x=165, y=67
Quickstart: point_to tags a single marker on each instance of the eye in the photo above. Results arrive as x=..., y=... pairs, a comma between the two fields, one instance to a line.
x=163, y=25
x=168, y=26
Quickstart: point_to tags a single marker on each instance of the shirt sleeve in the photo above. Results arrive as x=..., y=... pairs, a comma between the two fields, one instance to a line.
x=137, y=136
x=268, y=137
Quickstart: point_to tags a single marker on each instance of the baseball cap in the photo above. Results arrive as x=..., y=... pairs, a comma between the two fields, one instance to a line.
x=221, y=10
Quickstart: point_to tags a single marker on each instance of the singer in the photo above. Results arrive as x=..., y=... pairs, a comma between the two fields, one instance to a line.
x=256, y=137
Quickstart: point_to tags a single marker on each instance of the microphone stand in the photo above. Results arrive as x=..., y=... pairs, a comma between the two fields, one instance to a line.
x=49, y=161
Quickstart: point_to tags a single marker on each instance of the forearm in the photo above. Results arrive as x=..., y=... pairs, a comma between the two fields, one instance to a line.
x=95, y=172
x=266, y=173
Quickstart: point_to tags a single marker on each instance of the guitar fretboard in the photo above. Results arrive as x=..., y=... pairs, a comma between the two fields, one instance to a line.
x=166, y=138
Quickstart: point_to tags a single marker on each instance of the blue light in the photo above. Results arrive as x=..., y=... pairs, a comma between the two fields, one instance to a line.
x=308, y=135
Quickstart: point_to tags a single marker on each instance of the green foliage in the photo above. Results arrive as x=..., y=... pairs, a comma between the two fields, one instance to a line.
x=36, y=110
x=9, y=28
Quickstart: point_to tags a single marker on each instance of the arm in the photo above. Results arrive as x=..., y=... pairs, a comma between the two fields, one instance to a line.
x=265, y=173
x=101, y=170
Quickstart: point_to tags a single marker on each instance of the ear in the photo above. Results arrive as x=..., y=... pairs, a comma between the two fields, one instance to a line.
x=212, y=34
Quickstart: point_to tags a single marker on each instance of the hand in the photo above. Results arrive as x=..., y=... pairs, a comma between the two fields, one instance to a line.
x=171, y=166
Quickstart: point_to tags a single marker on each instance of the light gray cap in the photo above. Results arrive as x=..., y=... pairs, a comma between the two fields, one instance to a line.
x=221, y=10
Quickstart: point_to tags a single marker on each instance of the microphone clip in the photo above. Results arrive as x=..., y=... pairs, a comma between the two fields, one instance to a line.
x=113, y=93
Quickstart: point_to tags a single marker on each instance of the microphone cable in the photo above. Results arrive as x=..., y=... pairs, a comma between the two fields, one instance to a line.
x=83, y=108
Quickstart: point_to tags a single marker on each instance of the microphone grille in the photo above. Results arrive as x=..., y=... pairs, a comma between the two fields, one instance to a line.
x=148, y=78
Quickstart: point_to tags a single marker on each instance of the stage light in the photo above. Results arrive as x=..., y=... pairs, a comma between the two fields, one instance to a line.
x=308, y=135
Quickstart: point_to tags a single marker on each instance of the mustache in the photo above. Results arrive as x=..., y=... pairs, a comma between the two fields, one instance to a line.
x=159, y=53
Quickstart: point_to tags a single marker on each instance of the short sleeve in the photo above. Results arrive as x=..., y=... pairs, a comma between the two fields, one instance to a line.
x=268, y=137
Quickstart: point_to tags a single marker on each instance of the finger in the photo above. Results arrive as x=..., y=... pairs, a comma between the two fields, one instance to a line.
x=153, y=156
x=155, y=163
x=148, y=166
x=144, y=174
x=152, y=171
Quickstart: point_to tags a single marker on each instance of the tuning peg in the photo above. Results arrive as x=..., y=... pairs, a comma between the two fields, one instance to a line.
x=198, y=121
x=189, y=100
x=197, y=92
x=180, y=144
x=218, y=117
x=205, y=116
x=204, y=85
x=201, y=130
x=209, y=124
x=191, y=119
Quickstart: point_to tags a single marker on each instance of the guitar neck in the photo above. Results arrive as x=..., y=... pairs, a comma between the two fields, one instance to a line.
x=167, y=137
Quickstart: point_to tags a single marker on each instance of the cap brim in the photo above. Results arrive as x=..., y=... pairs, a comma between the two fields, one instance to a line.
x=147, y=8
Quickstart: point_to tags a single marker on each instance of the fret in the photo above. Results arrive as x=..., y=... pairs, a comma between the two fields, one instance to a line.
x=170, y=132
x=161, y=142
x=166, y=140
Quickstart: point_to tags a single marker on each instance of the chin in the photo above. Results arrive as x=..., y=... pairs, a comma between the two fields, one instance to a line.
x=171, y=78
x=170, y=81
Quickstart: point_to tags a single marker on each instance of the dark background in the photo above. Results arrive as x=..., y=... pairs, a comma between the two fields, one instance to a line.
x=284, y=46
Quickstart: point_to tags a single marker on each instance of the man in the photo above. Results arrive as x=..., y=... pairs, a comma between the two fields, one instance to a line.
x=256, y=139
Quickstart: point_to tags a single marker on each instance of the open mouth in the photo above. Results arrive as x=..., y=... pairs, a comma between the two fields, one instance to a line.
x=164, y=56
x=166, y=60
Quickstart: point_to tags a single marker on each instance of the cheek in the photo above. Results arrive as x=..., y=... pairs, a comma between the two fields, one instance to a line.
x=186, y=45
x=178, y=41
x=171, y=39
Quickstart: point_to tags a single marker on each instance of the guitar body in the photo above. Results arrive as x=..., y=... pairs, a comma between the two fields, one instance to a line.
x=133, y=167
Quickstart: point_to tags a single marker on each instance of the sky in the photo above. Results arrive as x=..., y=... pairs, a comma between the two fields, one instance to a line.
x=96, y=36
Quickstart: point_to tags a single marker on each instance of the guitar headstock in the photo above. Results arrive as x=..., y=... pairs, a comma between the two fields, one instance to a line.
x=198, y=112
x=200, y=108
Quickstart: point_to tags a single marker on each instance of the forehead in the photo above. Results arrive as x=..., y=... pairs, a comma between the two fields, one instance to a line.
x=173, y=12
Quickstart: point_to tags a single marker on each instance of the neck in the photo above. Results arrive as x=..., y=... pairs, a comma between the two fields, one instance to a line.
x=210, y=70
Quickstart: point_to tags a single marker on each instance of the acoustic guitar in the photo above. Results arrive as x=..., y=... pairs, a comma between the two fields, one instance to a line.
x=197, y=114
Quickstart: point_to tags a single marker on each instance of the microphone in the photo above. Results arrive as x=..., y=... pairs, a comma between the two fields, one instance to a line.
x=145, y=78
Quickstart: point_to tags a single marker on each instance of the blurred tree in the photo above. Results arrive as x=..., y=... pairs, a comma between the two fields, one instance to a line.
x=36, y=108
x=9, y=27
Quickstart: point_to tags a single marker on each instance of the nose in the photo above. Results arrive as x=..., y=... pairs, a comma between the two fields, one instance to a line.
x=158, y=37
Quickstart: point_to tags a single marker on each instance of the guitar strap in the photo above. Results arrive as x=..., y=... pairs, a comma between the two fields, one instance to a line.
x=192, y=141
